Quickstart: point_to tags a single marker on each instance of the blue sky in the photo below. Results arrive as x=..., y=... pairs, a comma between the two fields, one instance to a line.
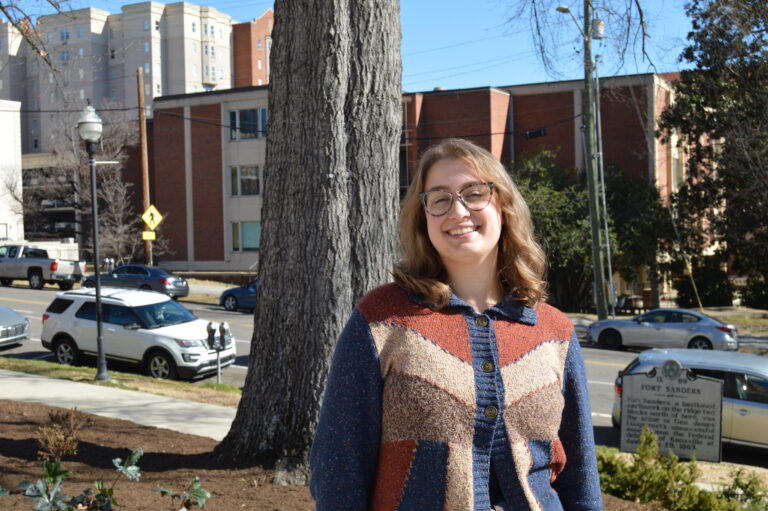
x=460, y=44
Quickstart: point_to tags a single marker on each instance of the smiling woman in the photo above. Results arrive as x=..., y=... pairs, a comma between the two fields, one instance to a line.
x=457, y=387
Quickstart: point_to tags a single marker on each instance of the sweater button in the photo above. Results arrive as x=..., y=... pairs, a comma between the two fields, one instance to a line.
x=491, y=412
x=488, y=366
x=481, y=321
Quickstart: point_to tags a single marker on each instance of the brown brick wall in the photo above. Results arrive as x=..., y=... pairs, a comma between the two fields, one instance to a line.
x=624, y=117
x=247, y=53
x=207, y=182
x=168, y=181
x=553, y=111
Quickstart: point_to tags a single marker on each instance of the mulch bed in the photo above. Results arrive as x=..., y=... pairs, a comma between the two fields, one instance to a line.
x=171, y=460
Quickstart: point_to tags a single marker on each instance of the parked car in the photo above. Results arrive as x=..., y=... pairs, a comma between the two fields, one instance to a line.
x=22, y=262
x=745, y=388
x=665, y=328
x=14, y=328
x=243, y=297
x=138, y=276
x=146, y=328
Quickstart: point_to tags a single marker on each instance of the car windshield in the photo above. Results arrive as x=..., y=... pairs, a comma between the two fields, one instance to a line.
x=163, y=314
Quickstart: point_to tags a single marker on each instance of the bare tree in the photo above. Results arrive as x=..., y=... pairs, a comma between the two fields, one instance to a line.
x=554, y=36
x=329, y=213
x=20, y=15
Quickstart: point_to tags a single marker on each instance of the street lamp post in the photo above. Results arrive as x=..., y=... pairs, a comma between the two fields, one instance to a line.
x=591, y=160
x=89, y=126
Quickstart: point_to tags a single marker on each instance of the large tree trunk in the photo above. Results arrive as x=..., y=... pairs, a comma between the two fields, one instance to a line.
x=329, y=214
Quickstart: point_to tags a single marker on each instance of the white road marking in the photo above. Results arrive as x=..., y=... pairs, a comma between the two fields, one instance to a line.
x=600, y=382
x=601, y=415
x=25, y=311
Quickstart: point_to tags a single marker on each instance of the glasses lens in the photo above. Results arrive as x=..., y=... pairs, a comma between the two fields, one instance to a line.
x=477, y=196
x=437, y=202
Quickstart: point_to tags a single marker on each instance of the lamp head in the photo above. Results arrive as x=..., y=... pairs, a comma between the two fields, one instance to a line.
x=563, y=9
x=89, y=126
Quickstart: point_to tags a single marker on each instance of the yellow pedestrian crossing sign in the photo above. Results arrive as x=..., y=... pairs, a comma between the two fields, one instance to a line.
x=152, y=217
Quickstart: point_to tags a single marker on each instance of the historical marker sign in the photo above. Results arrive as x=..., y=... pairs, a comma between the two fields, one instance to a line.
x=684, y=411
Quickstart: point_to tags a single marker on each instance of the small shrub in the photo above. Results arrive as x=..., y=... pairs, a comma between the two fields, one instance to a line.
x=667, y=482
x=756, y=293
x=711, y=282
x=194, y=495
x=61, y=438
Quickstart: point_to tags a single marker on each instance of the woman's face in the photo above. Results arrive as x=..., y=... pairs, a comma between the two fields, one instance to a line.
x=462, y=236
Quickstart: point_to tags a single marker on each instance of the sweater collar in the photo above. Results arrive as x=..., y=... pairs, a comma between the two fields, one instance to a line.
x=510, y=308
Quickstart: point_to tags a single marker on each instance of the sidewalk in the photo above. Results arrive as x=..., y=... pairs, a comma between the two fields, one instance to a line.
x=146, y=409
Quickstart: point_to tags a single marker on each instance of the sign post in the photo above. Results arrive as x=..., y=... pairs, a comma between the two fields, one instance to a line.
x=683, y=410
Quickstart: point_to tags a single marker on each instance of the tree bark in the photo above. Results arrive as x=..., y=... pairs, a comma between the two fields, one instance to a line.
x=329, y=212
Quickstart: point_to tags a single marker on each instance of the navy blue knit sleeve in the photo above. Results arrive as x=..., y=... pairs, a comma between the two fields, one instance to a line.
x=578, y=485
x=345, y=450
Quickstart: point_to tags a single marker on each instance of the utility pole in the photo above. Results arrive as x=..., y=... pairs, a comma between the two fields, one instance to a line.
x=144, y=158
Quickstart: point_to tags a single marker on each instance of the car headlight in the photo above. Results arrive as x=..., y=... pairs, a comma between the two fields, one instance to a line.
x=188, y=343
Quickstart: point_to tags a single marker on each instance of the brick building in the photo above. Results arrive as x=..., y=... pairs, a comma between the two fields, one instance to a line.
x=251, y=45
x=207, y=175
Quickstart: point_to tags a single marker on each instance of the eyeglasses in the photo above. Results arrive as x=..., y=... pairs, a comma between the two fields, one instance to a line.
x=475, y=197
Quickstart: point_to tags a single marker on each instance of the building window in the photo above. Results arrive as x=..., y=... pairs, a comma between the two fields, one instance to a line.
x=146, y=24
x=247, y=124
x=146, y=68
x=258, y=44
x=82, y=96
x=146, y=46
x=64, y=56
x=246, y=236
x=206, y=70
x=258, y=64
x=194, y=70
x=112, y=53
x=48, y=37
x=213, y=72
x=35, y=145
x=157, y=88
x=80, y=52
x=205, y=29
x=259, y=81
x=194, y=48
x=213, y=50
x=50, y=77
x=194, y=27
x=157, y=25
x=205, y=49
x=81, y=73
x=80, y=32
x=244, y=180
x=64, y=35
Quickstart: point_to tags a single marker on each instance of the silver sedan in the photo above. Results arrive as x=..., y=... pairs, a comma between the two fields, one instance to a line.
x=665, y=328
x=14, y=328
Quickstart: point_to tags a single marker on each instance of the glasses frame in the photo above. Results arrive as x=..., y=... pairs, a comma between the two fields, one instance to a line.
x=458, y=195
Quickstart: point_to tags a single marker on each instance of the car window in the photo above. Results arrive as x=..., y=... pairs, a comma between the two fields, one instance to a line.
x=655, y=317
x=87, y=311
x=123, y=270
x=137, y=270
x=161, y=314
x=688, y=318
x=3, y=251
x=718, y=375
x=12, y=251
x=119, y=315
x=751, y=388
x=59, y=305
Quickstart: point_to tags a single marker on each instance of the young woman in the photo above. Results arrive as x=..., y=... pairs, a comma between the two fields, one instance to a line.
x=457, y=387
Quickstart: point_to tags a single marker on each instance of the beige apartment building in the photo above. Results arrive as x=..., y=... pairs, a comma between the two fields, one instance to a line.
x=181, y=48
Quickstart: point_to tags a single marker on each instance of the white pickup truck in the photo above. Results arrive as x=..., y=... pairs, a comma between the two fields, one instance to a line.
x=22, y=262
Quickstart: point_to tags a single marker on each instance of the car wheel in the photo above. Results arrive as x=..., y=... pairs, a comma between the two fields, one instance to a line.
x=36, y=279
x=145, y=287
x=6, y=282
x=610, y=339
x=66, y=351
x=230, y=303
x=66, y=286
x=700, y=343
x=88, y=284
x=161, y=365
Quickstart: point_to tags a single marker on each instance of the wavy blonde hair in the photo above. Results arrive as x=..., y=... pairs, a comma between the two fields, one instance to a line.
x=521, y=262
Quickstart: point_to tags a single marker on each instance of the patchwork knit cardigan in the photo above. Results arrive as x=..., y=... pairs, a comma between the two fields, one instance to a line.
x=420, y=402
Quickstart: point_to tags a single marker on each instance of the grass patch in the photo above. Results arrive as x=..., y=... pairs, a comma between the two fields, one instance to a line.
x=210, y=393
x=745, y=321
x=201, y=298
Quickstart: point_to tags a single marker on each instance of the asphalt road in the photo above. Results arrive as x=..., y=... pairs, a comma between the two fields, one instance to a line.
x=602, y=365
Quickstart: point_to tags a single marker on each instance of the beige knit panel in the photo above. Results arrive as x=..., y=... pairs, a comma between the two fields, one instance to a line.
x=408, y=352
x=458, y=488
x=541, y=367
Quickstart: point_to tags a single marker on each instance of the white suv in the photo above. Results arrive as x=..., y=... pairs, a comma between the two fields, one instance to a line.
x=142, y=327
